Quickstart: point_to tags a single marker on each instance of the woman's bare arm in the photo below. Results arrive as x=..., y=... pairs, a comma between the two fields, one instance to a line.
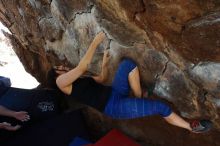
x=101, y=78
x=64, y=81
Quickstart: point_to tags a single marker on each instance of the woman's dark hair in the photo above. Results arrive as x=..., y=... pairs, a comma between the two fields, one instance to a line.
x=51, y=78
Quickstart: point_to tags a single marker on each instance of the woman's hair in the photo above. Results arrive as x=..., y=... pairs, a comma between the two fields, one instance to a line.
x=51, y=78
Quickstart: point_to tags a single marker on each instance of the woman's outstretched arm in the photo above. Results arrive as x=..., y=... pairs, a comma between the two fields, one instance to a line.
x=64, y=81
x=101, y=78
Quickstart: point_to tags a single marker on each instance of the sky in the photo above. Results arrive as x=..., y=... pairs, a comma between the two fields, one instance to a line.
x=11, y=67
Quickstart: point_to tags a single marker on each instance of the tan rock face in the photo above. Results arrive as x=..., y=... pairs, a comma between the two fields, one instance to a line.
x=175, y=44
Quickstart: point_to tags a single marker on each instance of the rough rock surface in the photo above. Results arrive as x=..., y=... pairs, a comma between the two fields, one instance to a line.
x=175, y=44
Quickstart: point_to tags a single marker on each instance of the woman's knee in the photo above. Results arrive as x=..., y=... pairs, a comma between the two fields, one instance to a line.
x=163, y=109
x=128, y=64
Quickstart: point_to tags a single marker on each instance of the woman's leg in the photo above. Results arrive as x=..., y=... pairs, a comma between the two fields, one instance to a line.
x=120, y=86
x=176, y=120
x=134, y=82
x=122, y=107
x=64, y=81
x=130, y=108
x=122, y=79
x=173, y=118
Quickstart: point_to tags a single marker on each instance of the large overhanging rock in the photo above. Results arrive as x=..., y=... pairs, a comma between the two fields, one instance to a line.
x=175, y=44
